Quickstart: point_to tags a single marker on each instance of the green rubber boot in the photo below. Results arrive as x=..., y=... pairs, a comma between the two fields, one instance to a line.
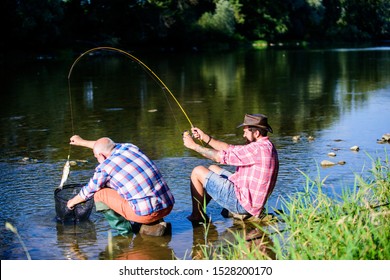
x=116, y=221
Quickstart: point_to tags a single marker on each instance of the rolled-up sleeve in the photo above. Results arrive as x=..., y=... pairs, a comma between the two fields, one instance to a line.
x=98, y=181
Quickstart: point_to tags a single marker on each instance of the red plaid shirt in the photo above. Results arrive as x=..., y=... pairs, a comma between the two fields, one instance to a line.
x=257, y=169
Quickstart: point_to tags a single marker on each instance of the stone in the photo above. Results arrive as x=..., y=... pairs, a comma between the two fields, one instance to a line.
x=296, y=138
x=263, y=217
x=327, y=163
x=355, y=148
x=386, y=137
x=158, y=228
x=227, y=214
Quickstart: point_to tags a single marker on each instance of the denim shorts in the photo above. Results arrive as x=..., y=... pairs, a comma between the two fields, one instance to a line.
x=222, y=191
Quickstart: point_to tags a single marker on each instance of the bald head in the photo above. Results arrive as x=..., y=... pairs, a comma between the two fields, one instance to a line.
x=103, y=147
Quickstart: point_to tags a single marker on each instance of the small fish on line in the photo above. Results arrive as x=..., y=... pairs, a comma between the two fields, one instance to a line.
x=65, y=173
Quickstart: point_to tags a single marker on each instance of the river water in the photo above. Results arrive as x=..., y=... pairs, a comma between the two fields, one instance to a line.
x=339, y=97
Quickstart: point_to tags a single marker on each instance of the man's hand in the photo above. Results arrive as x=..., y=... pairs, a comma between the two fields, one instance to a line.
x=70, y=204
x=76, y=140
x=189, y=141
x=75, y=200
x=197, y=133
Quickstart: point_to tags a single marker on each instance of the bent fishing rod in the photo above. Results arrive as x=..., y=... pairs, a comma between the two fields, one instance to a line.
x=143, y=65
x=156, y=78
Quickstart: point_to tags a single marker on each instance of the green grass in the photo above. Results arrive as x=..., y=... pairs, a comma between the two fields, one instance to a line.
x=354, y=225
x=10, y=227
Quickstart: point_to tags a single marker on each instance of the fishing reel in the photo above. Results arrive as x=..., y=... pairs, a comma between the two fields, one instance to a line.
x=185, y=133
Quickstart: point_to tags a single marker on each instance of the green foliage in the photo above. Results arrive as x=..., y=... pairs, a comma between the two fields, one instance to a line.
x=35, y=22
x=161, y=3
x=222, y=21
x=264, y=19
x=376, y=23
x=49, y=24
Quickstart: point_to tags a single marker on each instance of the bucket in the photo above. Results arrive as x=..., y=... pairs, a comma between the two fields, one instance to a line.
x=80, y=212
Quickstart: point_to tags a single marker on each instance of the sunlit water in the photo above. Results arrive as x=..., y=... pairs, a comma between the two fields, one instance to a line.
x=340, y=97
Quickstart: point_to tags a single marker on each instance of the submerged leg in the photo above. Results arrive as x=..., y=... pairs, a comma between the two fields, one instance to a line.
x=116, y=221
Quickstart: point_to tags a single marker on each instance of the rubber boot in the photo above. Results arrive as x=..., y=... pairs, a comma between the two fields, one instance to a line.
x=116, y=221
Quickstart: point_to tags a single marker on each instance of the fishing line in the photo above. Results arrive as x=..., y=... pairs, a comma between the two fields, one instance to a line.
x=143, y=65
x=171, y=109
x=71, y=107
x=66, y=168
x=71, y=114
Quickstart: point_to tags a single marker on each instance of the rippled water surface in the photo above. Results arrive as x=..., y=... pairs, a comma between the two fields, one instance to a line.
x=340, y=97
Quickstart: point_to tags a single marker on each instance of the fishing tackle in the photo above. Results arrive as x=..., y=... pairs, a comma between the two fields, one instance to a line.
x=186, y=132
x=144, y=66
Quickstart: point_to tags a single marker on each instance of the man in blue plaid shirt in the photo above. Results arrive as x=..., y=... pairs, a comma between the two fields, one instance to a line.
x=126, y=186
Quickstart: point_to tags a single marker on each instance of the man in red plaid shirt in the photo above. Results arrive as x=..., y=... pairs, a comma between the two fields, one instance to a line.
x=245, y=191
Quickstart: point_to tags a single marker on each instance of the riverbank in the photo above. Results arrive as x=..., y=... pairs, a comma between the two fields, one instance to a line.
x=313, y=226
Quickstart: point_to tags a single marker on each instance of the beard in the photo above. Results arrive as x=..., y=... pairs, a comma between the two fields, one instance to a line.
x=247, y=141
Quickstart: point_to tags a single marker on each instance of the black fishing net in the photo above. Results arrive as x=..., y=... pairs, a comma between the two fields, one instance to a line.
x=80, y=212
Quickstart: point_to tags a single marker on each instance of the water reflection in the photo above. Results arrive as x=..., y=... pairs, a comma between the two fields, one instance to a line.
x=70, y=235
x=138, y=247
x=88, y=94
x=327, y=94
x=208, y=242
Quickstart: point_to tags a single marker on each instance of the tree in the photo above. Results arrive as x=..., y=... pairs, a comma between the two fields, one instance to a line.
x=222, y=21
x=363, y=19
x=34, y=23
x=264, y=19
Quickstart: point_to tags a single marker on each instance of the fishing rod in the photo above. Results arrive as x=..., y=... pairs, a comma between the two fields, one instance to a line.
x=143, y=65
x=156, y=78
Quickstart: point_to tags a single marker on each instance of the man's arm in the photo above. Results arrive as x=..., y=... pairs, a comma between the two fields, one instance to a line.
x=75, y=200
x=78, y=141
x=217, y=144
x=206, y=152
x=209, y=140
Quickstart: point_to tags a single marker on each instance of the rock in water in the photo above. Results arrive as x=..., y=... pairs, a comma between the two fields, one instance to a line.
x=327, y=163
x=158, y=228
x=355, y=148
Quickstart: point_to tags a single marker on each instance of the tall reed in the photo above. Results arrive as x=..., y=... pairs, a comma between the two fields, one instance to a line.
x=352, y=225
x=10, y=227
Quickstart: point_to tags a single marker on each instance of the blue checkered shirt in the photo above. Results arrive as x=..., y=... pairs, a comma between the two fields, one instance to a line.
x=135, y=177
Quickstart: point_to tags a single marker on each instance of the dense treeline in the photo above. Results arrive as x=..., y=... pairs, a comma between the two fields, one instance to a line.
x=183, y=24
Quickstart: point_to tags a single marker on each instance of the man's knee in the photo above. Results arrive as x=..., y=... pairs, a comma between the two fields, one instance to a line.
x=215, y=168
x=99, y=196
x=199, y=173
x=101, y=206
